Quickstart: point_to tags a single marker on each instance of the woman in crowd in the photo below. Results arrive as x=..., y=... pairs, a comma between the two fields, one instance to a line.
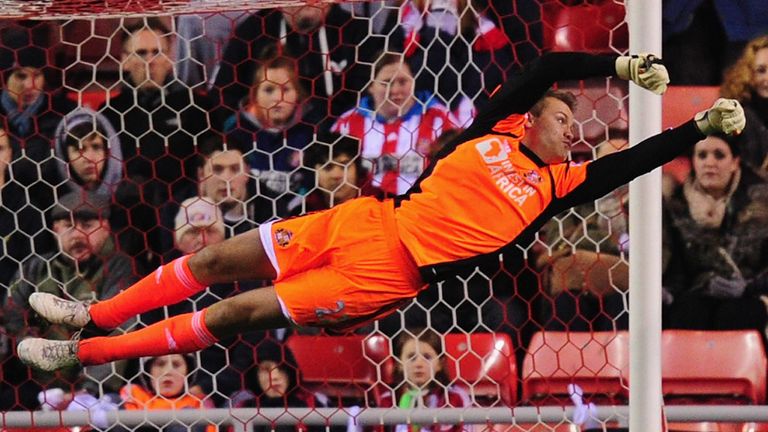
x=275, y=123
x=747, y=82
x=396, y=125
x=716, y=243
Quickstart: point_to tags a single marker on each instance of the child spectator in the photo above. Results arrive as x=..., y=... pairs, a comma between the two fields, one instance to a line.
x=395, y=124
x=275, y=382
x=163, y=385
x=421, y=380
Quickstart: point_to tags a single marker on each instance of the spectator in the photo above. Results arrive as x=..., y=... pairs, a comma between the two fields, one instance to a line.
x=86, y=268
x=583, y=262
x=703, y=38
x=158, y=119
x=395, y=124
x=274, y=123
x=31, y=113
x=747, y=82
x=223, y=178
x=715, y=243
x=198, y=223
x=31, y=110
x=90, y=159
x=457, y=34
x=16, y=246
x=328, y=39
x=421, y=380
x=163, y=385
x=274, y=381
x=202, y=39
x=339, y=175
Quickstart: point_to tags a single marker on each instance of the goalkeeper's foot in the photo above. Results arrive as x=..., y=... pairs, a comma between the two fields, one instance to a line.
x=59, y=311
x=48, y=355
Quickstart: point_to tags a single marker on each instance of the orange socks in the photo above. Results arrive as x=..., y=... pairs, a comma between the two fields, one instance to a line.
x=167, y=285
x=180, y=334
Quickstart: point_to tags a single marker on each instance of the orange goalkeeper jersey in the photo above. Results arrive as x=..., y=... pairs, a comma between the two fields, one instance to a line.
x=486, y=192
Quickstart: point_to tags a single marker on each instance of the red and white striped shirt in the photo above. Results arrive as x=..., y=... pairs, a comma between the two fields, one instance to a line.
x=397, y=149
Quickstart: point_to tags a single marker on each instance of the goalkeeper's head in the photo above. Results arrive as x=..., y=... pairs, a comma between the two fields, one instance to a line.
x=549, y=126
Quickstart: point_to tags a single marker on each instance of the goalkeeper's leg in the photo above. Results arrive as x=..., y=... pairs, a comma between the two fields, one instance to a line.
x=239, y=258
x=257, y=309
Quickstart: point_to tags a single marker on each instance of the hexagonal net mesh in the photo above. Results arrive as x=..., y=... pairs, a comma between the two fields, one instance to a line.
x=201, y=120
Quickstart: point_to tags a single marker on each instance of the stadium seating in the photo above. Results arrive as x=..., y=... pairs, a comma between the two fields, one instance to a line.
x=344, y=367
x=484, y=363
x=596, y=361
x=732, y=370
x=592, y=27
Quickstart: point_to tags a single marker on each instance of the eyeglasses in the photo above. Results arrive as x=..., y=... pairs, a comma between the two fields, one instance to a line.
x=146, y=53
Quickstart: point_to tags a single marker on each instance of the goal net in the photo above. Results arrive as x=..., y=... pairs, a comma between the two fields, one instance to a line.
x=200, y=120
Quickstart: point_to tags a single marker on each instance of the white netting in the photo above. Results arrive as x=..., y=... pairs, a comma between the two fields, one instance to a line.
x=188, y=137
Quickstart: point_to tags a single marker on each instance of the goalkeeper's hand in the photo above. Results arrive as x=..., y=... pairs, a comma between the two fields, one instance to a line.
x=646, y=70
x=726, y=116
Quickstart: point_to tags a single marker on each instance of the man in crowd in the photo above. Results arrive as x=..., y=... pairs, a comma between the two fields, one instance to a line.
x=87, y=268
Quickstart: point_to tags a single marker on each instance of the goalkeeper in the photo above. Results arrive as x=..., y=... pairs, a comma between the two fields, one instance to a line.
x=489, y=189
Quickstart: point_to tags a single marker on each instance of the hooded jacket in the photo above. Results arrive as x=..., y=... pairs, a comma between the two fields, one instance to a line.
x=113, y=168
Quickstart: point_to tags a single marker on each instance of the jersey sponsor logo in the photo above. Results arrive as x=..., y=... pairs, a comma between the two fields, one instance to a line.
x=493, y=150
x=283, y=237
x=495, y=153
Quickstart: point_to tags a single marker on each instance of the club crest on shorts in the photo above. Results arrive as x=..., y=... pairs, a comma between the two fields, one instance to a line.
x=283, y=237
x=533, y=177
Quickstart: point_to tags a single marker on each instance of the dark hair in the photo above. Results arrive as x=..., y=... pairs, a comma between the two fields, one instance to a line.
x=269, y=349
x=211, y=143
x=427, y=336
x=386, y=58
x=566, y=97
x=330, y=147
x=733, y=144
x=154, y=24
x=145, y=379
x=82, y=131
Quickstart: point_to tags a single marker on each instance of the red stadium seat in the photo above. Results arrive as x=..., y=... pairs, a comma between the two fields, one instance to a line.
x=483, y=363
x=342, y=366
x=596, y=28
x=714, y=366
x=680, y=103
x=596, y=361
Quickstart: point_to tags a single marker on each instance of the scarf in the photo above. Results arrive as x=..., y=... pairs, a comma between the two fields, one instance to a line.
x=706, y=210
x=20, y=120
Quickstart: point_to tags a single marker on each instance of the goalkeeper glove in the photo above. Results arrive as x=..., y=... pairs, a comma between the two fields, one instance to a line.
x=645, y=70
x=726, y=116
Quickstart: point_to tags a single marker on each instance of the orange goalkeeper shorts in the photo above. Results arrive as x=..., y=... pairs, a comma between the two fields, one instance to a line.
x=341, y=268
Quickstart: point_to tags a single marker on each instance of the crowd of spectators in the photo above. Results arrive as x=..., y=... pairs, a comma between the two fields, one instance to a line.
x=236, y=119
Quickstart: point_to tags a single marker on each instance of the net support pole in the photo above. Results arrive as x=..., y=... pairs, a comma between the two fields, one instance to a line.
x=645, y=401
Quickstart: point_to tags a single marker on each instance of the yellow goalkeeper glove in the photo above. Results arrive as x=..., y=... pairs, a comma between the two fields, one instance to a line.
x=726, y=116
x=645, y=70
